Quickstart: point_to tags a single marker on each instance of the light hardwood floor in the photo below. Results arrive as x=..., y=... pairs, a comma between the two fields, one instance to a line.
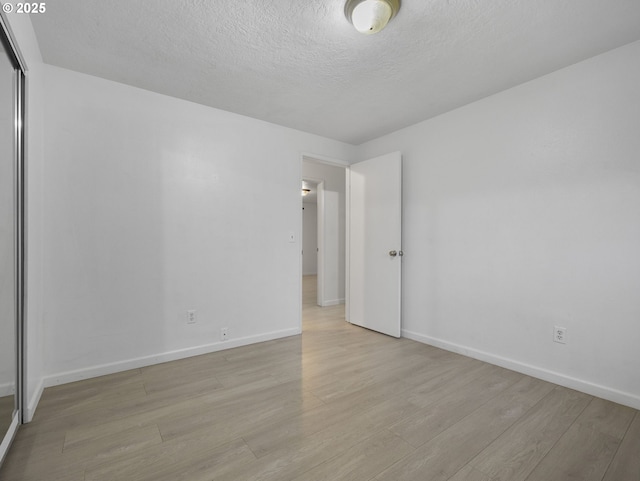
x=337, y=403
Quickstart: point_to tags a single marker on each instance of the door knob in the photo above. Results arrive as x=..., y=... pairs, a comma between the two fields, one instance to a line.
x=393, y=253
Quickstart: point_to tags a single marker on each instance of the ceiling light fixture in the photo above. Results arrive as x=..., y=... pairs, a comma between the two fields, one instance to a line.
x=370, y=16
x=305, y=192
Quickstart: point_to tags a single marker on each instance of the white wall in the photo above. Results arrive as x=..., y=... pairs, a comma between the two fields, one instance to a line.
x=522, y=211
x=34, y=322
x=331, y=201
x=155, y=206
x=309, y=239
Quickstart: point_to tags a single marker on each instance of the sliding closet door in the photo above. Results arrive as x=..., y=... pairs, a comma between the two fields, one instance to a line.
x=11, y=222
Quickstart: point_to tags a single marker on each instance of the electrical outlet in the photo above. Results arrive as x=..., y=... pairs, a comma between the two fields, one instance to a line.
x=224, y=333
x=560, y=334
x=191, y=317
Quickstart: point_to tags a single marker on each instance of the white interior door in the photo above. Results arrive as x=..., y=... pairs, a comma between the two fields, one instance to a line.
x=375, y=244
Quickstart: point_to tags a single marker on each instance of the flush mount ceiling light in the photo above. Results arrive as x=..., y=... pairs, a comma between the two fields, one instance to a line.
x=305, y=192
x=370, y=16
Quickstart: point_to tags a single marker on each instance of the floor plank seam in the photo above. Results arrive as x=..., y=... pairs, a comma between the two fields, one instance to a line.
x=604, y=476
x=471, y=413
x=64, y=442
x=473, y=466
x=249, y=448
x=559, y=438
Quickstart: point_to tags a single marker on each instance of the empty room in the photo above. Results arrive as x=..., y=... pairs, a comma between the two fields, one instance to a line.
x=364, y=240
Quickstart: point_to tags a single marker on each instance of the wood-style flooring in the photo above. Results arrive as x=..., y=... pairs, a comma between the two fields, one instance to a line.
x=337, y=403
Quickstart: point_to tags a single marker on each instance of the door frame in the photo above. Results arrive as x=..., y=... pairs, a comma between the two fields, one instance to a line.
x=320, y=242
x=321, y=159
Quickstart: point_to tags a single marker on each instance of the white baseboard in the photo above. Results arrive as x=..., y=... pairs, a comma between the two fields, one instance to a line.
x=111, y=368
x=30, y=408
x=333, y=302
x=597, y=390
x=32, y=403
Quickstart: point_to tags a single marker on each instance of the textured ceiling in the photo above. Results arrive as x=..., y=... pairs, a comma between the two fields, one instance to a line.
x=300, y=64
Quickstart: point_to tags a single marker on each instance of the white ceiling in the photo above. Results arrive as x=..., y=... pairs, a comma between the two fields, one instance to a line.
x=300, y=64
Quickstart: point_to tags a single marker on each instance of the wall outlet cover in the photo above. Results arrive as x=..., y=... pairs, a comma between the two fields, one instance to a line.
x=560, y=334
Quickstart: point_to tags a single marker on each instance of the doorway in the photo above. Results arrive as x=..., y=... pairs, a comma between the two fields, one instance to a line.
x=310, y=229
x=325, y=209
x=310, y=240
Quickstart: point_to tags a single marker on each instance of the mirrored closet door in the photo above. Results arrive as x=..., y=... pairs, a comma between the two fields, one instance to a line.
x=11, y=239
